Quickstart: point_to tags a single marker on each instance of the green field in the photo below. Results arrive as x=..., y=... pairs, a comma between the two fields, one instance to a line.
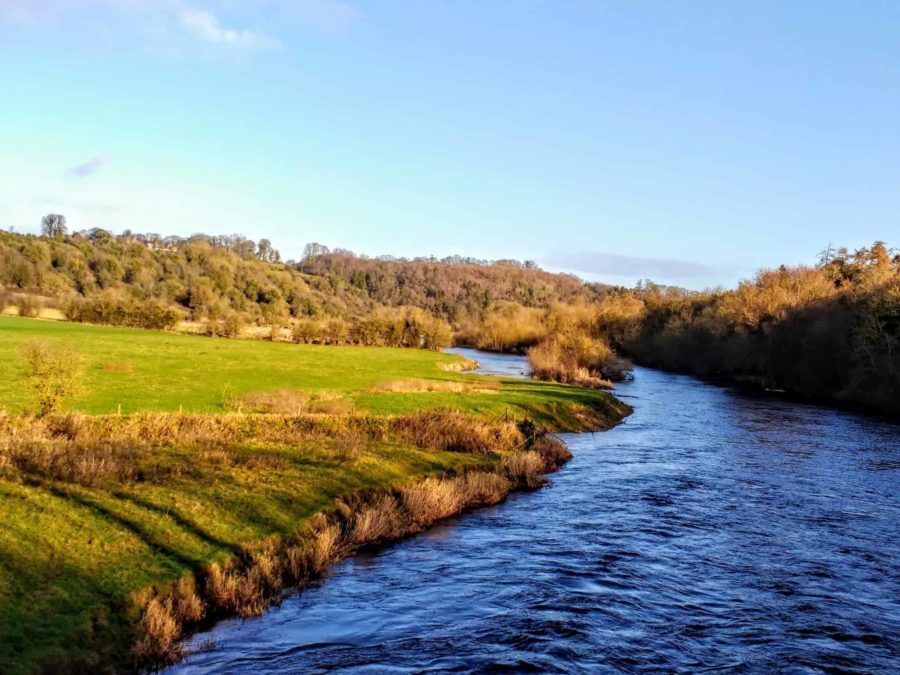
x=131, y=370
x=75, y=551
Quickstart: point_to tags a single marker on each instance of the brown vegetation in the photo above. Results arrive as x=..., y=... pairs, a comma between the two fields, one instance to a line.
x=291, y=402
x=87, y=450
x=28, y=306
x=418, y=385
x=459, y=366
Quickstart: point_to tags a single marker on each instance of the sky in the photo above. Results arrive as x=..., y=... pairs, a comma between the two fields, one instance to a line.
x=692, y=143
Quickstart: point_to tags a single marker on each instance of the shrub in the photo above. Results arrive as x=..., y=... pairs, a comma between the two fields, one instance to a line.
x=508, y=328
x=53, y=372
x=28, y=306
x=308, y=331
x=578, y=360
x=115, y=309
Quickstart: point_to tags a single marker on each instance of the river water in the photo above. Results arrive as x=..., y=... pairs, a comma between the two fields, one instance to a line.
x=713, y=531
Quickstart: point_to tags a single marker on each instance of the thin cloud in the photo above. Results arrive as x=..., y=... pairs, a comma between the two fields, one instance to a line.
x=206, y=26
x=89, y=167
x=183, y=16
x=613, y=264
x=328, y=15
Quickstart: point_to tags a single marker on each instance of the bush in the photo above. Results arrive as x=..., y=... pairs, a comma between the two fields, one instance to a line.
x=508, y=328
x=28, y=306
x=115, y=309
x=308, y=331
x=579, y=360
x=53, y=373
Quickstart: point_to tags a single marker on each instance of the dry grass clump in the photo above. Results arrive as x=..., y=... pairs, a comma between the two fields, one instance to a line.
x=160, y=627
x=291, y=402
x=381, y=521
x=454, y=430
x=419, y=385
x=72, y=462
x=525, y=468
x=430, y=500
x=348, y=449
x=459, y=366
x=553, y=452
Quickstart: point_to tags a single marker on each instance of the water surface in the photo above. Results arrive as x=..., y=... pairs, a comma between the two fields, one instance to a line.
x=712, y=531
x=490, y=363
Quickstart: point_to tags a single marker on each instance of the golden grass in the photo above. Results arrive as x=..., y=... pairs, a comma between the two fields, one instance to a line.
x=459, y=366
x=291, y=402
x=421, y=385
x=87, y=450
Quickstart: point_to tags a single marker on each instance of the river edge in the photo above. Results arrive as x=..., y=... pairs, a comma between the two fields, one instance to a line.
x=266, y=572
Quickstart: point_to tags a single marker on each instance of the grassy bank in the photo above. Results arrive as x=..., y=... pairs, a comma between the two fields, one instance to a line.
x=101, y=514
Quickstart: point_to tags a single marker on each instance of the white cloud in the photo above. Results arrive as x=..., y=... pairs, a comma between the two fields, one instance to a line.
x=206, y=26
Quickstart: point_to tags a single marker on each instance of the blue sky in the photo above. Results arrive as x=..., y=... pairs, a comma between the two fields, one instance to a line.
x=691, y=142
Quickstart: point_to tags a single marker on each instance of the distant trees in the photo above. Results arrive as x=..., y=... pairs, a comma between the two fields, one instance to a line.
x=384, y=327
x=832, y=331
x=314, y=249
x=53, y=225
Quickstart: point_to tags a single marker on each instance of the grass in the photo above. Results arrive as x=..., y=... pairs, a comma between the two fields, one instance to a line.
x=133, y=370
x=100, y=512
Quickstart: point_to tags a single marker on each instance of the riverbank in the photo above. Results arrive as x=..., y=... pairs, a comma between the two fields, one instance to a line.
x=121, y=532
x=714, y=527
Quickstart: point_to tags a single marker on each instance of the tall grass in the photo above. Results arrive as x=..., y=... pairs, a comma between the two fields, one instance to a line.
x=93, y=449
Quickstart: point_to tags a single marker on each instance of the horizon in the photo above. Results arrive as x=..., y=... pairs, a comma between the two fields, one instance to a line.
x=693, y=146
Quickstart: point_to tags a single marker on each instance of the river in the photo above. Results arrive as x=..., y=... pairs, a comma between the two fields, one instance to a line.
x=714, y=530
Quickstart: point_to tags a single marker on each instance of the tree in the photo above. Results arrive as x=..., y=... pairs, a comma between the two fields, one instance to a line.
x=53, y=373
x=54, y=225
x=266, y=252
x=313, y=250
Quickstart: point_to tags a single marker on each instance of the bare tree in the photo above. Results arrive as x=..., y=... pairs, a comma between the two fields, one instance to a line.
x=54, y=225
x=314, y=249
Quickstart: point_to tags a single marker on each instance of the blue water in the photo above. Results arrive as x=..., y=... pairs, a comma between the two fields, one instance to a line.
x=490, y=363
x=713, y=531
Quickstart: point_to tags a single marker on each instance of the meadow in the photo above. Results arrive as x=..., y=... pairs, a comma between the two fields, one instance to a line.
x=131, y=370
x=180, y=462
